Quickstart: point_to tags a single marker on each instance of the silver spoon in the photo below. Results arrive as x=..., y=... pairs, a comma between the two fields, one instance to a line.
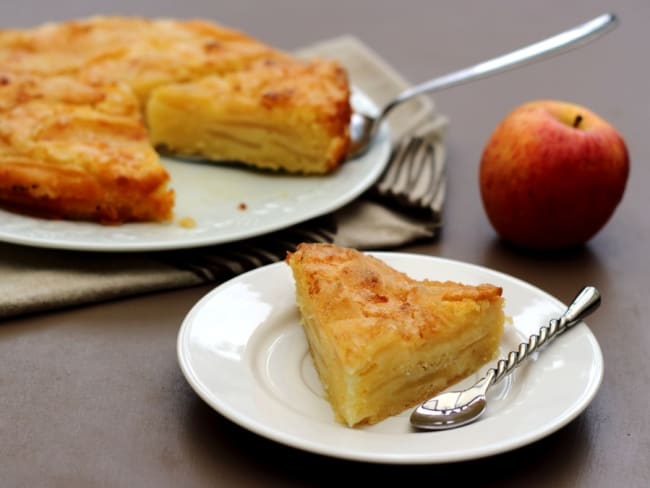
x=455, y=408
x=363, y=127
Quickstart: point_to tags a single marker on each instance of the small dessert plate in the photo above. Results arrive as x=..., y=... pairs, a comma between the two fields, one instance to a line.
x=243, y=350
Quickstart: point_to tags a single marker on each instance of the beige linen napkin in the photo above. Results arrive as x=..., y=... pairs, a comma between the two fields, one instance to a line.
x=403, y=206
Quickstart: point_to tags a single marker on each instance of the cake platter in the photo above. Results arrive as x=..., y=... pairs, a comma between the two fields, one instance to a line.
x=243, y=351
x=216, y=204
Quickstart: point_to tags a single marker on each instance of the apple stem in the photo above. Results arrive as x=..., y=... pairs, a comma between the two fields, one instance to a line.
x=576, y=121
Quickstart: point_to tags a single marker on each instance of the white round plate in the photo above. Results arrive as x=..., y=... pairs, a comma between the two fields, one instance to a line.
x=211, y=195
x=242, y=349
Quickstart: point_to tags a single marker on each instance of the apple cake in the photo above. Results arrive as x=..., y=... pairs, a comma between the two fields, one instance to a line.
x=188, y=87
x=383, y=342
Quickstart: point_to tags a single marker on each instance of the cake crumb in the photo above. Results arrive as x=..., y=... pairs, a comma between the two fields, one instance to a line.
x=187, y=222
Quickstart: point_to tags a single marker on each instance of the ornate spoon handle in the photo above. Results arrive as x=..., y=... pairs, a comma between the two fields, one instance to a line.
x=585, y=302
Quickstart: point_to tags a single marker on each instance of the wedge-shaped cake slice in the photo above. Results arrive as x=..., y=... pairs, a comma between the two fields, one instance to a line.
x=278, y=114
x=383, y=342
x=75, y=150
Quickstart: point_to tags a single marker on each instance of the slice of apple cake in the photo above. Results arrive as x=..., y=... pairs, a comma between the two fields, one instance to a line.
x=383, y=342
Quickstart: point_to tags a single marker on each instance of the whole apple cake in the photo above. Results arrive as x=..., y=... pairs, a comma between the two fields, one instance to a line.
x=84, y=105
x=383, y=342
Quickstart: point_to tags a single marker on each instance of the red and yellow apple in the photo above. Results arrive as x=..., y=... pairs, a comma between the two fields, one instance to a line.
x=551, y=175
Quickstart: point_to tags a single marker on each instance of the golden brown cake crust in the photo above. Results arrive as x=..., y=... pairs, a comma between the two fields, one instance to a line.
x=369, y=288
x=131, y=49
x=69, y=149
x=98, y=73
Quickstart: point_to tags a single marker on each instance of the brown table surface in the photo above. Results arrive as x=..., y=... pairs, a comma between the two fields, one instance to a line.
x=94, y=396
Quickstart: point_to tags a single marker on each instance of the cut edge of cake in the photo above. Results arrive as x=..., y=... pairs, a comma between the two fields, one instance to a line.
x=279, y=114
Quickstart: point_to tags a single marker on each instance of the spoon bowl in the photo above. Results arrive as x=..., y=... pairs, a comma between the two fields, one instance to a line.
x=453, y=408
x=363, y=127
